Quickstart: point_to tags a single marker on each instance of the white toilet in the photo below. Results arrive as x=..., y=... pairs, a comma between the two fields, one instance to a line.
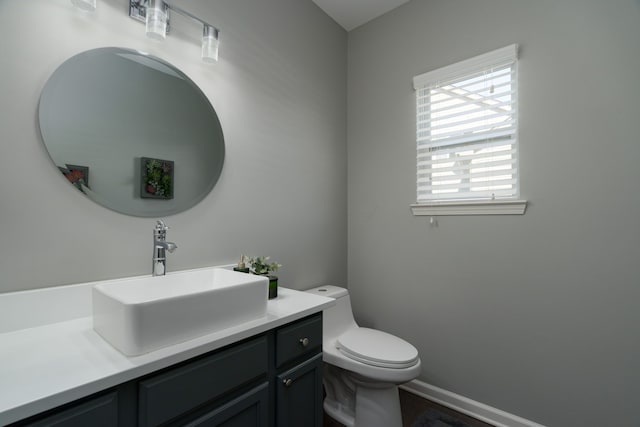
x=363, y=367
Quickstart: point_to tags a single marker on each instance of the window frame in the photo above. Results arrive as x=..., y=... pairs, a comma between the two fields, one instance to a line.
x=510, y=205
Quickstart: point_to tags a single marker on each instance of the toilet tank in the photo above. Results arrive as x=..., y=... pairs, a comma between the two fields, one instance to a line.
x=339, y=318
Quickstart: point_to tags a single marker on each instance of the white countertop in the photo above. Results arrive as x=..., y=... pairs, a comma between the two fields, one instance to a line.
x=44, y=365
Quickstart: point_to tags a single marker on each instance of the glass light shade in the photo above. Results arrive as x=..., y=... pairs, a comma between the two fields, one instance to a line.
x=156, y=20
x=88, y=5
x=210, y=44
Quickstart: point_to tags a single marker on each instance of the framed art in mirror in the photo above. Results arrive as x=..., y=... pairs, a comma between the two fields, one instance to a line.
x=157, y=178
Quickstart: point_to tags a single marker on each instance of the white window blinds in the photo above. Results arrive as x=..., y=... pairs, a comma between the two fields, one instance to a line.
x=466, y=129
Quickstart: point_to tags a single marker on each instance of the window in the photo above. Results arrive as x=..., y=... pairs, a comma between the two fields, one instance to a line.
x=467, y=148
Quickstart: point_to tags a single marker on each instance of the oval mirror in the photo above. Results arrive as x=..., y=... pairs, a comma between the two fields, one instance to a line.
x=131, y=131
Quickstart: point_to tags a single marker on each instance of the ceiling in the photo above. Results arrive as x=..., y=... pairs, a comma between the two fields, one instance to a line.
x=353, y=13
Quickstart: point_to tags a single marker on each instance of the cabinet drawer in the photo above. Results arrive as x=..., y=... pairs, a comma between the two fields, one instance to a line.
x=179, y=390
x=100, y=412
x=301, y=338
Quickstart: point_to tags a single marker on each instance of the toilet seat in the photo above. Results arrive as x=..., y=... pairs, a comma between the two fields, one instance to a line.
x=377, y=348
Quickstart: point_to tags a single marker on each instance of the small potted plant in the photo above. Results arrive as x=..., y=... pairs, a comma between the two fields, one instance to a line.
x=261, y=265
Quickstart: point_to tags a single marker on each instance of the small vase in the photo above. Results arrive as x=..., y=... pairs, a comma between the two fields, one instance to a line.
x=273, y=284
x=273, y=287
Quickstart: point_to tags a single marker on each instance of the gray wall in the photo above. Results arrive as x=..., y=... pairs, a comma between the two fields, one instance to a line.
x=537, y=314
x=280, y=92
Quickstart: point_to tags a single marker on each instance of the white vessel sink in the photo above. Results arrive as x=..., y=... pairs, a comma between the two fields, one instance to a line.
x=139, y=315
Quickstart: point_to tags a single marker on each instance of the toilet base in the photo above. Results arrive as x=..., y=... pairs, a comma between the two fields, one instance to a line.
x=339, y=412
x=374, y=407
x=378, y=407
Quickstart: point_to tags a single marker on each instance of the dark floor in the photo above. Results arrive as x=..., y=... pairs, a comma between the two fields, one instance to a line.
x=412, y=407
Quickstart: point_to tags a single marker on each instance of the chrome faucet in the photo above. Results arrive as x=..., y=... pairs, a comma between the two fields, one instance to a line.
x=160, y=246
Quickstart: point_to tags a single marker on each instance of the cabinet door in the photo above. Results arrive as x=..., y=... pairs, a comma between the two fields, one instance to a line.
x=180, y=390
x=299, y=395
x=99, y=412
x=248, y=410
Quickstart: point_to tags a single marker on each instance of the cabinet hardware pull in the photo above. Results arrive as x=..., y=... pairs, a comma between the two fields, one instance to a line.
x=287, y=382
x=304, y=341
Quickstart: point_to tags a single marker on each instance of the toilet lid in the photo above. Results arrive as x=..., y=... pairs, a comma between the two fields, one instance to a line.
x=377, y=348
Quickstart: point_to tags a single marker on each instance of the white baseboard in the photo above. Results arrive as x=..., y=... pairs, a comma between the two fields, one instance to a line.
x=467, y=406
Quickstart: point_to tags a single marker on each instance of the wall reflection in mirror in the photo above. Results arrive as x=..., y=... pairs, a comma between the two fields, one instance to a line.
x=147, y=135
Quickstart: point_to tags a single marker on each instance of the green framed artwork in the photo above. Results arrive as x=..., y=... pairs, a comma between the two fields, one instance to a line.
x=157, y=178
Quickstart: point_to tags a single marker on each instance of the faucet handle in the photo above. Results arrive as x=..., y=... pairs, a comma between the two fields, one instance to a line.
x=161, y=226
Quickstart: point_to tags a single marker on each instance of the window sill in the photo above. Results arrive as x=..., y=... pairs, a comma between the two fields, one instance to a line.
x=484, y=207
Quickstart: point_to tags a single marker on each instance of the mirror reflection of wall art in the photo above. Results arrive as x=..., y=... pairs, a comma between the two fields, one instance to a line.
x=77, y=175
x=157, y=178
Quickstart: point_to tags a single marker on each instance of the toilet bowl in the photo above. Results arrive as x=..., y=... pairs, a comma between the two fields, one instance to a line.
x=363, y=367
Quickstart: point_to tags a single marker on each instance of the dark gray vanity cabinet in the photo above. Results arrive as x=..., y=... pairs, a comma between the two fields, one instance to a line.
x=273, y=379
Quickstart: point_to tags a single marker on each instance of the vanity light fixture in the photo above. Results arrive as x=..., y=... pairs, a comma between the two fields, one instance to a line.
x=156, y=20
x=87, y=5
x=156, y=15
x=209, y=43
